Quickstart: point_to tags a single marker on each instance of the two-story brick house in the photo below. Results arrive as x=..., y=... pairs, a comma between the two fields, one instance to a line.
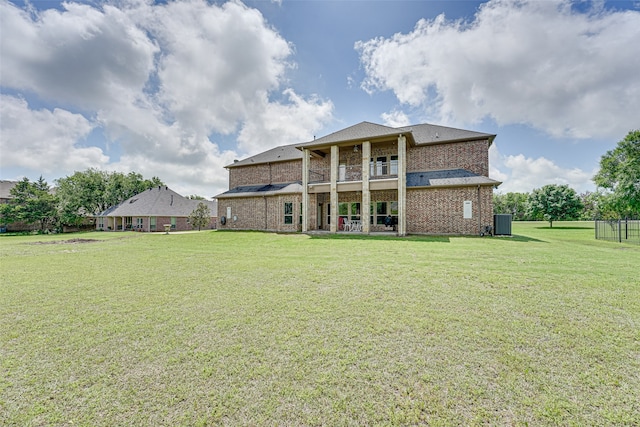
x=421, y=179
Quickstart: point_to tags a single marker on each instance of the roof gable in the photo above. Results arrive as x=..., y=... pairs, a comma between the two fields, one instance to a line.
x=363, y=130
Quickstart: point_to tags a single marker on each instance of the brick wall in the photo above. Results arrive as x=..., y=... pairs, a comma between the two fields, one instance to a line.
x=260, y=213
x=470, y=155
x=271, y=173
x=440, y=210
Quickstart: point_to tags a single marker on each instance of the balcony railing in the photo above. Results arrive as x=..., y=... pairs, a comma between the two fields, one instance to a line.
x=347, y=173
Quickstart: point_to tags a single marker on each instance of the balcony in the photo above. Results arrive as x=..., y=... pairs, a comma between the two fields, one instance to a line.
x=382, y=176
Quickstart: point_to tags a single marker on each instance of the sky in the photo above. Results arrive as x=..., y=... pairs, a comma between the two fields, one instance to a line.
x=180, y=89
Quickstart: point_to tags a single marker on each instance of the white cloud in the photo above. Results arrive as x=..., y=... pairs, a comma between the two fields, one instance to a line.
x=278, y=124
x=395, y=119
x=523, y=174
x=542, y=63
x=160, y=81
x=45, y=140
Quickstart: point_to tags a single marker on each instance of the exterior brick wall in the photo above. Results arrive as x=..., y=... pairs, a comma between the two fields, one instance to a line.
x=440, y=210
x=470, y=155
x=260, y=213
x=429, y=210
x=270, y=173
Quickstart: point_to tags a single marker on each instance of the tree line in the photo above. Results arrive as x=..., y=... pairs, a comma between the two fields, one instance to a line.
x=74, y=199
x=618, y=194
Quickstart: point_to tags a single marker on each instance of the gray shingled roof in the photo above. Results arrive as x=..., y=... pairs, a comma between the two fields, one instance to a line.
x=278, y=154
x=419, y=134
x=158, y=201
x=447, y=178
x=262, y=190
x=363, y=130
x=430, y=134
x=5, y=189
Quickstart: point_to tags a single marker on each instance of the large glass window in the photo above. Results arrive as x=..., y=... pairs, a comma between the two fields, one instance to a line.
x=380, y=210
x=355, y=211
x=288, y=213
x=173, y=222
x=394, y=165
x=152, y=223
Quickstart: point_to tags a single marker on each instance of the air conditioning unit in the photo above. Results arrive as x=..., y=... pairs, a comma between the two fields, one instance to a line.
x=502, y=225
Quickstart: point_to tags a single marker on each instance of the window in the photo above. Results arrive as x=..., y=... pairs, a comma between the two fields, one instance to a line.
x=139, y=222
x=354, y=211
x=128, y=221
x=381, y=212
x=288, y=213
x=173, y=222
x=328, y=213
x=100, y=222
x=382, y=209
x=381, y=166
x=152, y=223
x=300, y=222
x=394, y=165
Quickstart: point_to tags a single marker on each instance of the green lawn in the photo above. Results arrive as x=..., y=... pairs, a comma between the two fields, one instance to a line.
x=239, y=328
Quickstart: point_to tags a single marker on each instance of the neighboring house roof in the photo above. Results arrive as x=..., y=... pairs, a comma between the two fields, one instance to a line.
x=278, y=154
x=262, y=190
x=5, y=189
x=447, y=178
x=158, y=201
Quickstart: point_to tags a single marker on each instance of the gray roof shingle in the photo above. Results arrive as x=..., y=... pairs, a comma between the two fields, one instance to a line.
x=262, y=190
x=158, y=201
x=447, y=178
x=420, y=134
x=282, y=153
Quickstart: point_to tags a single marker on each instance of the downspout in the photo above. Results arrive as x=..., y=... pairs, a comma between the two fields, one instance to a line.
x=265, y=209
x=479, y=212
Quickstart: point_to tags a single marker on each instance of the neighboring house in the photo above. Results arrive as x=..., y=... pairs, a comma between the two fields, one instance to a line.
x=151, y=210
x=428, y=179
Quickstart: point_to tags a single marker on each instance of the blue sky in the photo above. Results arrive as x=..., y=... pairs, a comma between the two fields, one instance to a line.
x=180, y=89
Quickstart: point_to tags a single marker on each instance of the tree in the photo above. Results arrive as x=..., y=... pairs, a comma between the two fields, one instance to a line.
x=200, y=216
x=597, y=205
x=554, y=203
x=620, y=173
x=511, y=203
x=93, y=191
x=31, y=203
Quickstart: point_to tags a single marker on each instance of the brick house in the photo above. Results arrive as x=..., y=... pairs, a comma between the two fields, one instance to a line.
x=151, y=210
x=420, y=179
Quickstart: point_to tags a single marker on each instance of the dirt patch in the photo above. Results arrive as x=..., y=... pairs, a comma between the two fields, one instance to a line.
x=72, y=241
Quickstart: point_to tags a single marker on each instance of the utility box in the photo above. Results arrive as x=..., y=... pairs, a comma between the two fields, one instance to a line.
x=502, y=225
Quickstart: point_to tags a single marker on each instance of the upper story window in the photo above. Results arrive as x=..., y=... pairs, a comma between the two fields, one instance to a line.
x=383, y=166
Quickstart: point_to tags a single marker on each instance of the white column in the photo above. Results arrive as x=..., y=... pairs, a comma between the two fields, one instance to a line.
x=365, y=207
x=402, y=185
x=305, y=190
x=335, y=154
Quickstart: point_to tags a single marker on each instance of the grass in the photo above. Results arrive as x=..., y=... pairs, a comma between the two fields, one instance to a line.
x=241, y=328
